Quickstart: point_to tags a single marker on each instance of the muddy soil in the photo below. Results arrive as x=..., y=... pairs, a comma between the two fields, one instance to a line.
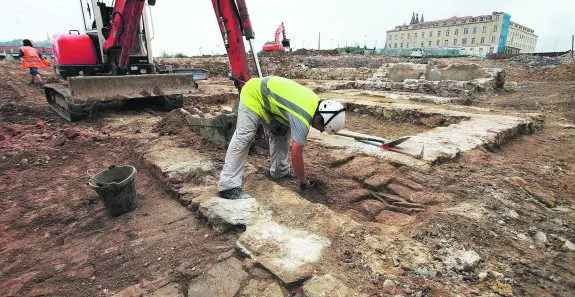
x=57, y=238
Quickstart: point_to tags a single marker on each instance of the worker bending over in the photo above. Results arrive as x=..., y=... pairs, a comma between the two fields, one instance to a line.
x=32, y=60
x=286, y=109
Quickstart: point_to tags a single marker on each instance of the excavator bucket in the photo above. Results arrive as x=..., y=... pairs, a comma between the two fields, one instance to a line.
x=81, y=96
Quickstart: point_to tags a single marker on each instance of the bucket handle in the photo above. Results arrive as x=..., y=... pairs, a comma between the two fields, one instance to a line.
x=88, y=172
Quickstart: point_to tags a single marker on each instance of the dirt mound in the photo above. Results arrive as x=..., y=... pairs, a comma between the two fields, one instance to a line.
x=172, y=124
x=562, y=73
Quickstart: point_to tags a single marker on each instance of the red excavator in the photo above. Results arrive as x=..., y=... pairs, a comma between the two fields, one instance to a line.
x=276, y=45
x=111, y=64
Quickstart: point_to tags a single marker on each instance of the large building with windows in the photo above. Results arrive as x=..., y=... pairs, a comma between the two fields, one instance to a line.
x=479, y=35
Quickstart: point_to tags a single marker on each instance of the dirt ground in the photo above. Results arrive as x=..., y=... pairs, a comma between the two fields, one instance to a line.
x=58, y=240
x=56, y=237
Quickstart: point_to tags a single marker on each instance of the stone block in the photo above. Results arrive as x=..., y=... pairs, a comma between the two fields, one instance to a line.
x=355, y=195
x=378, y=181
x=326, y=286
x=372, y=207
x=262, y=288
x=404, y=181
x=222, y=280
x=359, y=168
x=462, y=260
x=230, y=213
x=218, y=129
x=178, y=164
x=541, y=196
x=402, y=191
x=287, y=253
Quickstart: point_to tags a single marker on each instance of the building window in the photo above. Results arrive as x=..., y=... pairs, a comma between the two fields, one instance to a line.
x=401, y=45
x=492, y=39
x=446, y=43
x=456, y=32
x=408, y=35
x=484, y=29
x=472, y=40
x=447, y=32
x=430, y=33
x=395, y=45
x=497, y=17
x=437, y=43
x=422, y=45
x=482, y=40
x=465, y=30
x=464, y=41
x=495, y=28
x=474, y=30
x=480, y=49
x=395, y=36
x=429, y=43
x=415, y=35
x=401, y=35
x=438, y=33
x=455, y=42
x=407, y=45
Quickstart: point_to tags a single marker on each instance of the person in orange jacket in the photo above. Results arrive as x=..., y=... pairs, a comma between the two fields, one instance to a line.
x=32, y=59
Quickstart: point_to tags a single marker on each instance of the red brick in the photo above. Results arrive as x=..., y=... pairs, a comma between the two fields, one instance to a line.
x=402, y=191
x=354, y=195
x=359, y=168
x=372, y=207
x=378, y=181
x=356, y=215
x=408, y=183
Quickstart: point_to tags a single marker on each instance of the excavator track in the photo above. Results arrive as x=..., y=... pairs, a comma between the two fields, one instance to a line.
x=60, y=100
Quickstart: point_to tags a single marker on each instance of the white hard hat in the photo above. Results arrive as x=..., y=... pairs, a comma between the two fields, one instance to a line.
x=333, y=114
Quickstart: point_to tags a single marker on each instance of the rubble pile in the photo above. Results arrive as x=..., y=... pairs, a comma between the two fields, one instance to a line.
x=542, y=61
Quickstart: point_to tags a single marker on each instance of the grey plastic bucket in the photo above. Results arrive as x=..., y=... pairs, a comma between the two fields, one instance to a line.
x=116, y=187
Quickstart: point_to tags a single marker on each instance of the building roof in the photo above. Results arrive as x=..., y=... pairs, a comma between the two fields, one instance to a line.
x=452, y=20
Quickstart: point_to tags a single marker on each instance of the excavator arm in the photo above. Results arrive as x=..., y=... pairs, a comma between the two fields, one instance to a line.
x=234, y=22
x=122, y=35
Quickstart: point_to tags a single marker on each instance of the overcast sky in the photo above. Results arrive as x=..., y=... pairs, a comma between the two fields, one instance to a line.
x=190, y=26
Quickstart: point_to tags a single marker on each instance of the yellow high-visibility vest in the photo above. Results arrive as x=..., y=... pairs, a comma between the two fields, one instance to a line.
x=272, y=96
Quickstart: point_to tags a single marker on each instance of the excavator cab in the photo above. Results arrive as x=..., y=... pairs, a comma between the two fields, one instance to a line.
x=111, y=63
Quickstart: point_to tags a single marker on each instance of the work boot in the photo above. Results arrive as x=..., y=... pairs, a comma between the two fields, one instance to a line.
x=234, y=194
x=289, y=175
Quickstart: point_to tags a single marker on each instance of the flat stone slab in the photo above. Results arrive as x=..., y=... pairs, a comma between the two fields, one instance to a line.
x=286, y=252
x=262, y=288
x=222, y=280
x=326, y=286
x=230, y=212
x=439, y=144
x=178, y=164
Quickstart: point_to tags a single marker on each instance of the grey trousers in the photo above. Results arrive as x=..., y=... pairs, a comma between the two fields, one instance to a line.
x=237, y=154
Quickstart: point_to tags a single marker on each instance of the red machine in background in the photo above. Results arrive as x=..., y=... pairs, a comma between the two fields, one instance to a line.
x=276, y=45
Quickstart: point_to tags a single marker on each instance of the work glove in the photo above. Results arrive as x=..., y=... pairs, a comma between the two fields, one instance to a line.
x=308, y=185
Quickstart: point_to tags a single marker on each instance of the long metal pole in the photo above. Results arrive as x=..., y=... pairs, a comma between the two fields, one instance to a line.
x=572, y=44
x=256, y=60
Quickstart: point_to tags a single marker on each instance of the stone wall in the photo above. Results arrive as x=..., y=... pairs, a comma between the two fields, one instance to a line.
x=455, y=80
